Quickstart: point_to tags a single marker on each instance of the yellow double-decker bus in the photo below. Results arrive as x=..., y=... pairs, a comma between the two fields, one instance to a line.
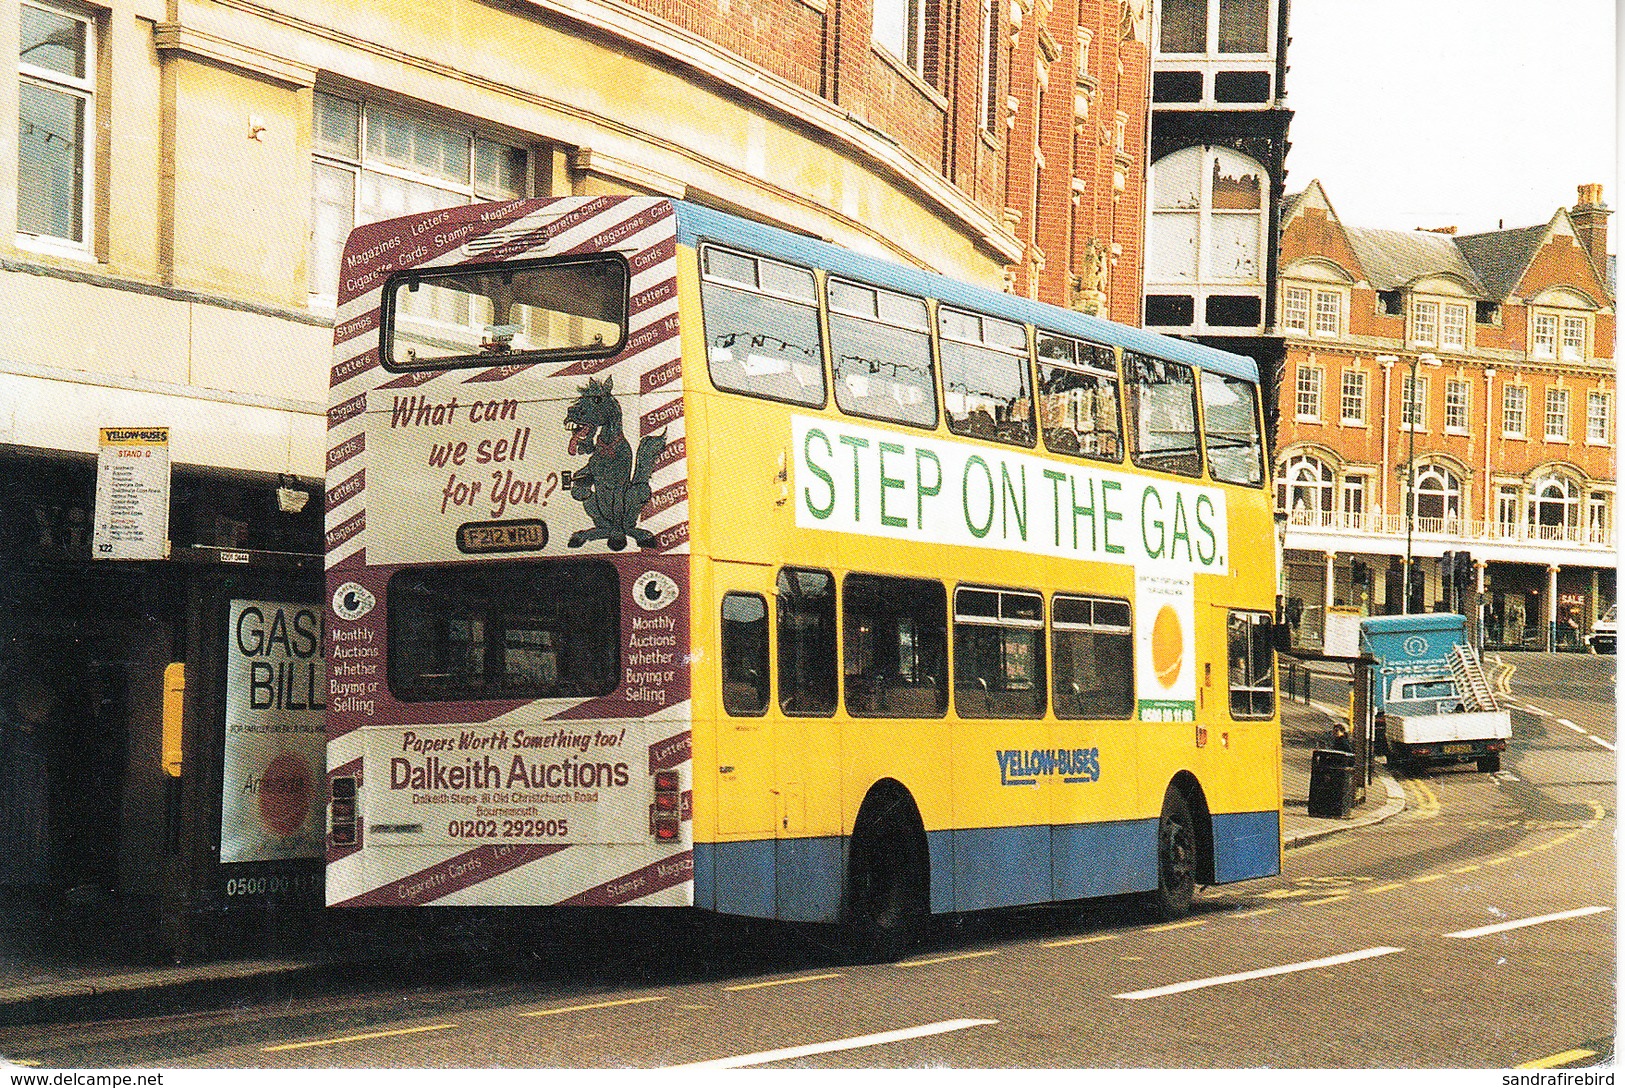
x=675, y=560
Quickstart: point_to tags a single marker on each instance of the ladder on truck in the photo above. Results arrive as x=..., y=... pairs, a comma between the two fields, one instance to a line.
x=1474, y=686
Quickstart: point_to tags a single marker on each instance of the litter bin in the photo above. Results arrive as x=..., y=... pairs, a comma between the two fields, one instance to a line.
x=1331, y=784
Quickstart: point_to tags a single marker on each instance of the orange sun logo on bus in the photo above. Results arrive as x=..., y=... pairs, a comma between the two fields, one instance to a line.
x=1167, y=646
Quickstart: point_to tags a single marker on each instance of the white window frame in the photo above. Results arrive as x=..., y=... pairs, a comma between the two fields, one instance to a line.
x=1329, y=318
x=1543, y=336
x=1599, y=417
x=987, y=83
x=1418, y=422
x=1212, y=44
x=85, y=90
x=1573, y=347
x=1295, y=309
x=1509, y=508
x=1425, y=323
x=1557, y=411
x=1453, y=326
x=1458, y=405
x=1311, y=389
x=1353, y=394
x=467, y=192
x=910, y=51
x=1515, y=417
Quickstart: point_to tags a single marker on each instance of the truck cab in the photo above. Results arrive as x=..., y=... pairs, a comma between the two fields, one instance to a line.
x=1432, y=702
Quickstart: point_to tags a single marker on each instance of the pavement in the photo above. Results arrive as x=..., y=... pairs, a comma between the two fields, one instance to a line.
x=98, y=959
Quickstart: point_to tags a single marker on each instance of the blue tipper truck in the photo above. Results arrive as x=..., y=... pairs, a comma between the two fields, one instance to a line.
x=1433, y=704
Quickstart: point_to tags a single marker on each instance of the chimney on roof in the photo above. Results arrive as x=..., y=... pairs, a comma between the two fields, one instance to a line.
x=1438, y=230
x=1590, y=219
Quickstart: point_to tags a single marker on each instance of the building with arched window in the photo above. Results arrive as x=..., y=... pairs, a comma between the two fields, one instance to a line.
x=1218, y=172
x=1446, y=394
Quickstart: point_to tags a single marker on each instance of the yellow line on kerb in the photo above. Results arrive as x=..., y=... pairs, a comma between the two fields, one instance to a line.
x=356, y=1038
x=594, y=1005
x=781, y=982
x=1558, y=1059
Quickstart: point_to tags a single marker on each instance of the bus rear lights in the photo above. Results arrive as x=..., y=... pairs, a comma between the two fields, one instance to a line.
x=668, y=806
x=343, y=811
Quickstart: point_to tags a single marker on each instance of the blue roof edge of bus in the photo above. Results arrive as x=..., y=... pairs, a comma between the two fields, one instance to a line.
x=696, y=223
x=1416, y=621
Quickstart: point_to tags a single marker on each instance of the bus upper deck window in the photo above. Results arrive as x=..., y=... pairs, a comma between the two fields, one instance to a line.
x=438, y=318
x=761, y=327
x=1079, y=400
x=987, y=388
x=1162, y=405
x=881, y=344
x=1235, y=452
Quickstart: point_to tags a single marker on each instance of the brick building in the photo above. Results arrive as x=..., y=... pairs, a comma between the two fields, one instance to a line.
x=1509, y=339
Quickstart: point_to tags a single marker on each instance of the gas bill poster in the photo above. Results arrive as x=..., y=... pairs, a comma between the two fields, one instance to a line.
x=272, y=805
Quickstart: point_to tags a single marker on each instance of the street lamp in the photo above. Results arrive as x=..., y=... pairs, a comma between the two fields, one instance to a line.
x=1410, y=477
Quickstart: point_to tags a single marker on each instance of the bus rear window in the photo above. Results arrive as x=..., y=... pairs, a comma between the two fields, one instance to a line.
x=505, y=631
x=439, y=318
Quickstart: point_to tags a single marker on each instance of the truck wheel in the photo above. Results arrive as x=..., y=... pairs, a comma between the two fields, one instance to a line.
x=1176, y=860
x=1490, y=764
x=888, y=887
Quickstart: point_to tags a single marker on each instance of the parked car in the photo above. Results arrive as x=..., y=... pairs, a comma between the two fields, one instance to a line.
x=1604, y=634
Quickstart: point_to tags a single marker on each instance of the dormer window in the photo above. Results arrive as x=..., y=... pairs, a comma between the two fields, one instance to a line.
x=1425, y=324
x=1391, y=303
x=1544, y=341
x=1488, y=313
x=1454, y=333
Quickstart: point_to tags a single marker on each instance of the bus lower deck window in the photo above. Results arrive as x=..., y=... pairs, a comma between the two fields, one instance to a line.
x=806, y=625
x=998, y=653
x=895, y=650
x=1093, y=645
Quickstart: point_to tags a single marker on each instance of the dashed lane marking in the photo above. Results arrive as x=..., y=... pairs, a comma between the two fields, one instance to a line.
x=1571, y=725
x=1256, y=913
x=356, y=1038
x=594, y=1005
x=1266, y=972
x=1555, y=1060
x=1484, y=931
x=781, y=982
x=948, y=959
x=1328, y=899
x=1465, y=869
x=1599, y=740
x=1429, y=878
x=1380, y=888
x=763, y=1057
x=1178, y=925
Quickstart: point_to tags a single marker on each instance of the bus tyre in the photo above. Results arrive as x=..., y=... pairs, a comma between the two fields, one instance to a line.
x=1491, y=763
x=888, y=904
x=1176, y=859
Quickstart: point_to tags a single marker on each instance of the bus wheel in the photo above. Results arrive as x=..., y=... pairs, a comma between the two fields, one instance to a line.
x=1176, y=859
x=888, y=903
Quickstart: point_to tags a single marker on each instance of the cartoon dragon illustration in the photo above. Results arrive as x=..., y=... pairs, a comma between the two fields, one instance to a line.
x=611, y=487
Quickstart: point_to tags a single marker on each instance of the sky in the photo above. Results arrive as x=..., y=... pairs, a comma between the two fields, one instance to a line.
x=1433, y=113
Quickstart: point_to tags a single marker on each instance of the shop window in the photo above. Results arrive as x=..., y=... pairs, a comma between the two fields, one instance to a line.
x=998, y=654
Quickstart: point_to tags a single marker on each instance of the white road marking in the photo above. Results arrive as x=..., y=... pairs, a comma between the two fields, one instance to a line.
x=1484, y=931
x=1266, y=972
x=878, y=1039
x=1599, y=740
x=1537, y=710
x=1571, y=725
